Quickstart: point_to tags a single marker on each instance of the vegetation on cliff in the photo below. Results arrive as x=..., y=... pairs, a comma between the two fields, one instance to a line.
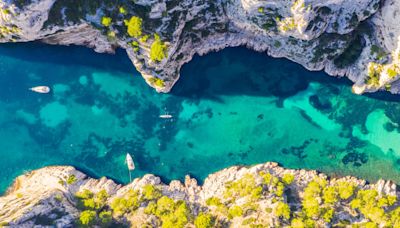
x=253, y=200
x=260, y=196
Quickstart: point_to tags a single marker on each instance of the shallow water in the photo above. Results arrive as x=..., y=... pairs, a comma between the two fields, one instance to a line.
x=232, y=107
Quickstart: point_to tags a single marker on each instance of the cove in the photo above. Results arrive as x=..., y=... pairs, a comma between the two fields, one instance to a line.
x=234, y=107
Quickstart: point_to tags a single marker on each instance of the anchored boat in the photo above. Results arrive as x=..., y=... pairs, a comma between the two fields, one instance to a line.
x=40, y=89
x=130, y=164
x=165, y=116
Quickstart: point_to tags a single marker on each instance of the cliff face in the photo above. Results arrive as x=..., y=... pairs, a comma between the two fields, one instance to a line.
x=235, y=197
x=358, y=39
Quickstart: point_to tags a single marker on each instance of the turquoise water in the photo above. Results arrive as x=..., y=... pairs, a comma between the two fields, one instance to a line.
x=232, y=107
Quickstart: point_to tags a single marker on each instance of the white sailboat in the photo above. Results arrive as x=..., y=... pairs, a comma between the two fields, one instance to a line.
x=130, y=164
x=40, y=89
x=166, y=116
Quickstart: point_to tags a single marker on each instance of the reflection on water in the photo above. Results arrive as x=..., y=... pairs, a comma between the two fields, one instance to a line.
x=229, y=108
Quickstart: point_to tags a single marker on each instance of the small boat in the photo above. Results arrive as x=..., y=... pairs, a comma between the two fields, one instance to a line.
x=166, y=116
x=130, y=164
x=40, y=89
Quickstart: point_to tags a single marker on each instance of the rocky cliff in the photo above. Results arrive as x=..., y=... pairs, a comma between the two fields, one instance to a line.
x=358, y=39
x=257, y=196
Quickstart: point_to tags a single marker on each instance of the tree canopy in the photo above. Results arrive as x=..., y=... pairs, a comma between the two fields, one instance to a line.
x=134, y=26
x=158, y=50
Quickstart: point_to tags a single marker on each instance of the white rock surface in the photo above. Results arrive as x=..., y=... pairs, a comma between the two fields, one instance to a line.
x=309, y=32
x=44, y=192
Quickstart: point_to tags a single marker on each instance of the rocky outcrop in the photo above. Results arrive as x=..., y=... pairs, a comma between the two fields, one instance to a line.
x=342, y=37
x=47, y=196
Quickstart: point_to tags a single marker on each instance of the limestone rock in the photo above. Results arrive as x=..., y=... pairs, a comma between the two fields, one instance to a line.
x=317, y=34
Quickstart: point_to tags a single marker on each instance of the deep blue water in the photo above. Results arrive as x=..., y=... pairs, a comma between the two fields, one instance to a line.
x=235, y=107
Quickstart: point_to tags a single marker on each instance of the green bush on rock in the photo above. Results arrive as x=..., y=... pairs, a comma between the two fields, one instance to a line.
x=71, y=179
x=94, y=208
x=287, y=178
x=204, y=220
x=158, y=50
x=157, y=82
x=134, y=26
x=172, y=214
x=150, y=192
x=245, y=186
x=105, y=218
x=87, y=217
x=282, y=210
x=330, y=195
x=345, y=189
x=235, y=211
x=130, y=202
x=106, y=21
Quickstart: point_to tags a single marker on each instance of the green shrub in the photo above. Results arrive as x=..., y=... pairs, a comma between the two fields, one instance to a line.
x=144, y=38
x=158, y=82
x=100, y=199
x=350, y=54
x=87, y=217
x=330, y=195
x=106, y=21
x=267, y=177
x=302, y=223
x=130, y=202
x=277, y=44
x=214, y=201
x=158, y=50
x=151, y=208
x=245, y=186
x=71, y=179
x=391, y=72
x=204, y=220
x=150, y=192
x=380, y=53
x=345, y=189
x=134, y=26
x=89, y=201
x=372, y=205
x=288, y=178
x=328, y=215
x=374, y=71
x=310, y=203
x=122, y=10
x=85, y=194
x=235, y=211
x=105, y=218
x=280, y=188
x=172, y=214
x=282, y=210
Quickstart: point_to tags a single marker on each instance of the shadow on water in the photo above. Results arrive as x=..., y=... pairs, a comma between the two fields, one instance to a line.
x=69, y=55
x=230, y=75
x=269, y=76
x=383, y=96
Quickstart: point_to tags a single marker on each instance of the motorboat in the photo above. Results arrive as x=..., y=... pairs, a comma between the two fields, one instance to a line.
x=130, y=164
x=40, y=89
x=166, y=116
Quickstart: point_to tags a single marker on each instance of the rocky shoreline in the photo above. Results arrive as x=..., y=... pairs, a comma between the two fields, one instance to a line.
x=234, y=197
x=359, y=40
